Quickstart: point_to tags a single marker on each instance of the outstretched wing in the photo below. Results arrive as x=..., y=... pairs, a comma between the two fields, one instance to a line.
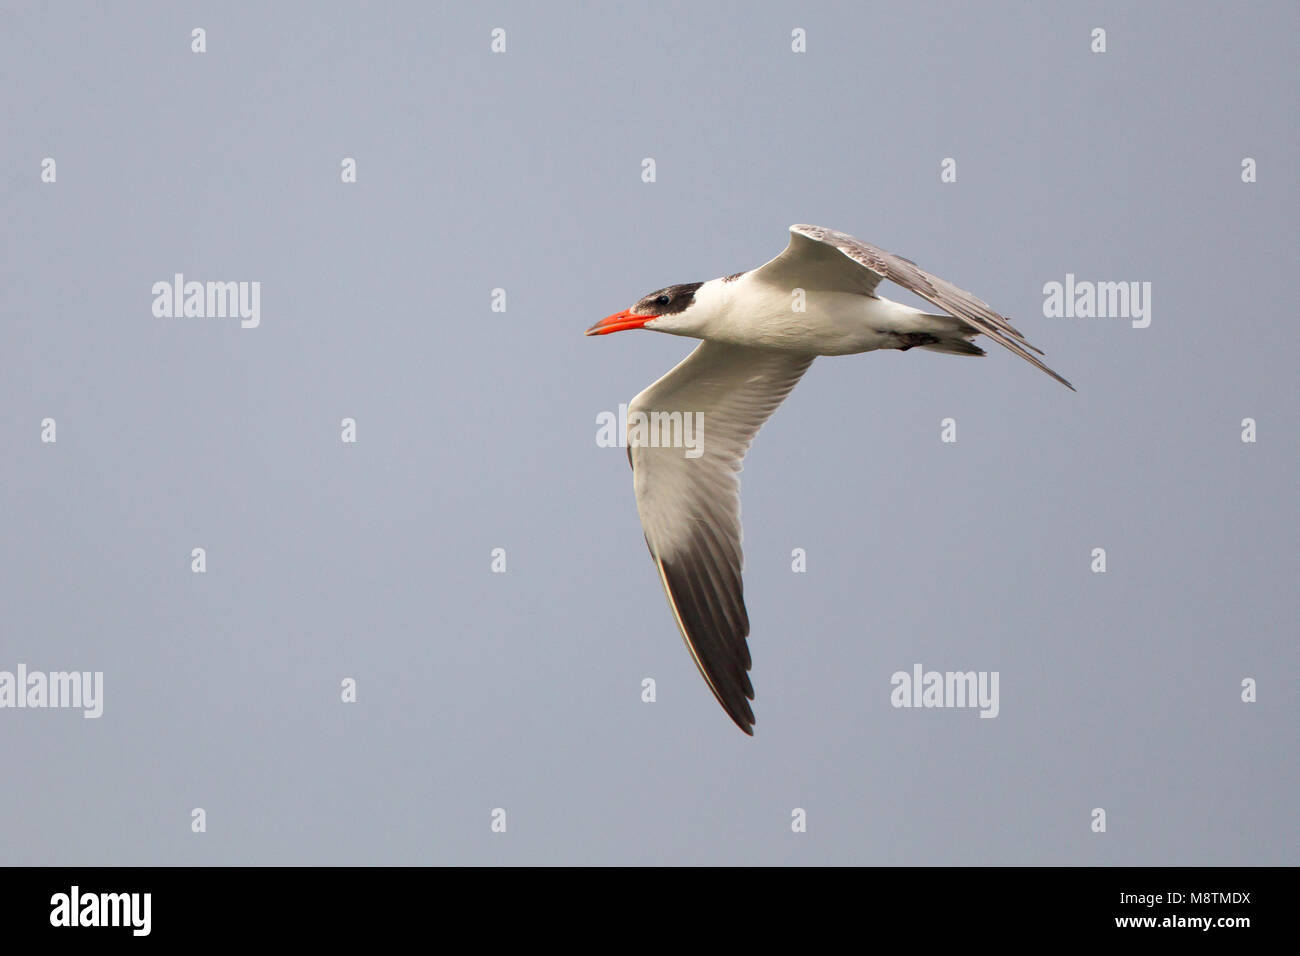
x=690, y=506
x=821, y=258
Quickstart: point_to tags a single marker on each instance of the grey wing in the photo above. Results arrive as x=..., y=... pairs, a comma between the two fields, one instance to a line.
x=690, y=507
x=848, y=264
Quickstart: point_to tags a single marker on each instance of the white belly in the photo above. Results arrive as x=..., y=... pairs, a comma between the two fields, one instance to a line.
x=830, y=323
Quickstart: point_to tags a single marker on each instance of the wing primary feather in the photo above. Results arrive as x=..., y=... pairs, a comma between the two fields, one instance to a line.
x=735, y=704
x=972, y=310
x=690, y=508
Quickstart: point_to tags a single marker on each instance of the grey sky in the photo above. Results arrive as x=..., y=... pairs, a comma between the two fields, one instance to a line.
x=477, y=430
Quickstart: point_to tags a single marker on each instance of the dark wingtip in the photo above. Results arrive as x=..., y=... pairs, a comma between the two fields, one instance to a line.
x=741, y=714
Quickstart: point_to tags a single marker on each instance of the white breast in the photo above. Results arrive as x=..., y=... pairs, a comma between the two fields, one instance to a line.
x=818, y=322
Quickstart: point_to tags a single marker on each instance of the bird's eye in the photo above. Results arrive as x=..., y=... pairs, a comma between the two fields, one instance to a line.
x=663, y=300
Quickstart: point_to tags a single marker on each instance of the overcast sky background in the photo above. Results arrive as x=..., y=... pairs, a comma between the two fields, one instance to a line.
x=477, y=430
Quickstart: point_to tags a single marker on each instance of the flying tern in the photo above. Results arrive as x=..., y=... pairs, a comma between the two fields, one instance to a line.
x=761, y=330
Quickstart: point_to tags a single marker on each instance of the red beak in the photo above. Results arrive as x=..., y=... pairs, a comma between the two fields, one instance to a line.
x=618, y=322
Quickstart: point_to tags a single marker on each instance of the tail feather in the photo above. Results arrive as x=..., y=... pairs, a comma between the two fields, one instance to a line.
x=952, y=334
x=947, y=333
x=955, y=346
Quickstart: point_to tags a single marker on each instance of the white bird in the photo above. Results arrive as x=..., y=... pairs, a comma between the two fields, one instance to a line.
x=757, y=344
